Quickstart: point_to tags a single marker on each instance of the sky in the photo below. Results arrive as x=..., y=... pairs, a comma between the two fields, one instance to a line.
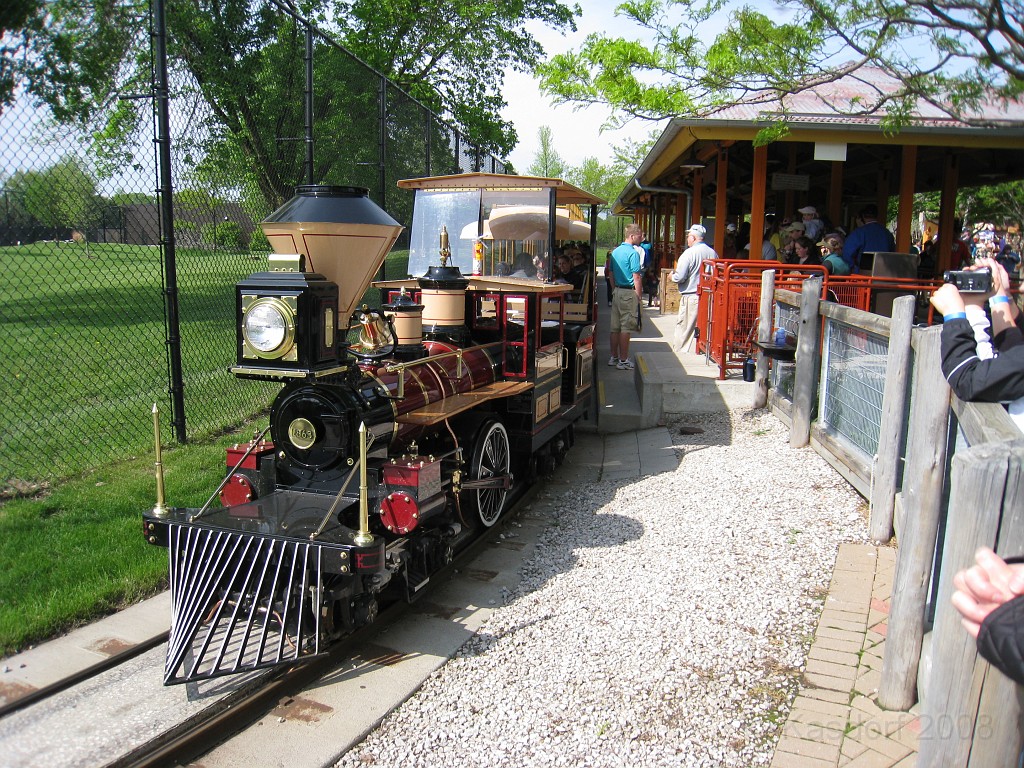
x=577, y=134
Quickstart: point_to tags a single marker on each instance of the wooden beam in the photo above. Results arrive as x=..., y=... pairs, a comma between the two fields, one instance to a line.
x=721, y=199
x=757, y=201
x=697, y=205
x=905, y=213
x=947, y=213
x=788, y=205
x=835, y=193
x=681, y=223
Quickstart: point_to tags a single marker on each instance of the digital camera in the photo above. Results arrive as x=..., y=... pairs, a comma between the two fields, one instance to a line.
x=969, y=281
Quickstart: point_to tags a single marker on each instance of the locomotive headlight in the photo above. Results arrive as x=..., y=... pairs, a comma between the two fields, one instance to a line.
x=268, y=326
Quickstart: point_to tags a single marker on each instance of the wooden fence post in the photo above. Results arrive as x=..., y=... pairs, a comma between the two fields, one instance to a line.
x=808, y=363
x=764, y=332
x=922, y=504
x=890, y=436
x=999, y=729
x=962, y=725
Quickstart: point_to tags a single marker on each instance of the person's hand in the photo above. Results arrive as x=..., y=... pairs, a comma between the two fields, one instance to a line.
x=947, y=299
x=982, y=588
x=1000, y=278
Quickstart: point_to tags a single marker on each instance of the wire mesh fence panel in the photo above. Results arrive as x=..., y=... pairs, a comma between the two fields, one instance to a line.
x=88, y=258
x=853, y=384
x=782, y=375
x=81, y=306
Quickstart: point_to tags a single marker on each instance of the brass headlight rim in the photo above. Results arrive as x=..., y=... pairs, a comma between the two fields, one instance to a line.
x=287, y=314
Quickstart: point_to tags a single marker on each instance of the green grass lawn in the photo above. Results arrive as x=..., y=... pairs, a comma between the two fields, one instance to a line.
x=84, y=355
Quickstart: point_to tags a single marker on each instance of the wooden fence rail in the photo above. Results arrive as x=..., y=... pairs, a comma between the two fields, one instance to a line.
x=972, y=716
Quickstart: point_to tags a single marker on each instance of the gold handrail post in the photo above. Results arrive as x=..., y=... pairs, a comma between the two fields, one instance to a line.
x=160, y=510
x=363, y=537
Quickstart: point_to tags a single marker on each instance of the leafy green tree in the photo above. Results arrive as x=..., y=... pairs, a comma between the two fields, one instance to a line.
x=14, y=16
x=546, y=162
x=62, y=196
x=608, y=181
x=452, y=55
x=237, y=75
x=949, y=54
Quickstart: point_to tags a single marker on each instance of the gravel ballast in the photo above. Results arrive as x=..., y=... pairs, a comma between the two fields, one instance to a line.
x=665, y=627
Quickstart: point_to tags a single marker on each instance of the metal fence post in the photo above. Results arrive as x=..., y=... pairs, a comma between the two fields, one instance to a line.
x=808, y=362
x=160, y=89
x=891, y=429
x=922, y=506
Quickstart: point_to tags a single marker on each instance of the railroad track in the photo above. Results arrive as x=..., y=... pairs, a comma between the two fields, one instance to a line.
x=225, y=706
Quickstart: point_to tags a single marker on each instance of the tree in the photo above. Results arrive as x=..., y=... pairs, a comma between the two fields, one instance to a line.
x=62, y=196
x=237, y=67
x=452, y=55
x=608, y=181
x=14, y=15
x=547, y=161
x=950, y=54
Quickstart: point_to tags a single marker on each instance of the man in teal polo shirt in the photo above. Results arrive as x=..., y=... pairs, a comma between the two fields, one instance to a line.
x=627, y=274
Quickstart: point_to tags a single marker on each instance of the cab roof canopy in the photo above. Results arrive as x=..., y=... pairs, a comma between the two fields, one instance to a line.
x=565, y=193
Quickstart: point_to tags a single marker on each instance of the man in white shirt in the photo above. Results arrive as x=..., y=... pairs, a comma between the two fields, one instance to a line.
x=814, y=227
x=687, y=277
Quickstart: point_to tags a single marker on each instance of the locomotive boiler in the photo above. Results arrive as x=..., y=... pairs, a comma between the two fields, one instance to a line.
x=399, y=432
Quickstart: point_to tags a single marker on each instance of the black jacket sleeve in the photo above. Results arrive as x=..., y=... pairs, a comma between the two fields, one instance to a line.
x=1001, y=639
x=999, y=379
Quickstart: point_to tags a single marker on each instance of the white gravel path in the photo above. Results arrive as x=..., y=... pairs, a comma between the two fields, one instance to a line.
x=667, y=627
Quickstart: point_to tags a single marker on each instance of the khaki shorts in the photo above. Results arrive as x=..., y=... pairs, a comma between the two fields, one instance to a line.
x=625, y=306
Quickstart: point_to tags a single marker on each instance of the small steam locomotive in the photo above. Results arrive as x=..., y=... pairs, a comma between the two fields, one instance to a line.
x=399, y=433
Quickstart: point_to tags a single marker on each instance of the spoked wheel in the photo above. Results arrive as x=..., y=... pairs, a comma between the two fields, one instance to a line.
x=491, y=458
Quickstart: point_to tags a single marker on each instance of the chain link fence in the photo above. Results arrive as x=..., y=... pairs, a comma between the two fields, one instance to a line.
x=98, y=292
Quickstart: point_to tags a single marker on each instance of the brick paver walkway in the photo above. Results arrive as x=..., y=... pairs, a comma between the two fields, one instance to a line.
x=835, y=722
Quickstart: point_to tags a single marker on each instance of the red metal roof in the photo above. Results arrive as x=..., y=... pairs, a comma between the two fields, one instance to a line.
x=839, y=102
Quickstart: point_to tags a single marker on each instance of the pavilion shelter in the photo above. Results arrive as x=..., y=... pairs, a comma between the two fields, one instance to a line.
x=709, y=170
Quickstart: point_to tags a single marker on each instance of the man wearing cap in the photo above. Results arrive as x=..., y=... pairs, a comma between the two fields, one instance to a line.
x=787, y=255
x=814, y=228
x=687, y=277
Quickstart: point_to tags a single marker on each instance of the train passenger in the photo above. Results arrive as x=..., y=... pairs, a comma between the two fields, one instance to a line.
x=524, y=266
x=626, y=275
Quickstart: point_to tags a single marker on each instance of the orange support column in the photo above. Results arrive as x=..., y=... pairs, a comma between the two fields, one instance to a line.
x=721, y=199
x=757, y=196
x=905, y=214
x=835, y=192
x=947, y=213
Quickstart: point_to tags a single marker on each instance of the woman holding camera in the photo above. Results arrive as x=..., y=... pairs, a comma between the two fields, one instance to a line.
x=975, y=369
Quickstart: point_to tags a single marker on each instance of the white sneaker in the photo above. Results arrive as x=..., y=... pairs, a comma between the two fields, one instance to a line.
x=625, y=365
x=613, y=361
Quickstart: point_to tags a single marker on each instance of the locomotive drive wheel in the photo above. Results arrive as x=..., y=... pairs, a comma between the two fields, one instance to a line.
x=491, y=456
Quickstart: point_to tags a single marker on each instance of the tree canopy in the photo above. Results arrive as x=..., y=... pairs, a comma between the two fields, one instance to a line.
x=952, y=54
x=546, y=162
x=236, y=69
